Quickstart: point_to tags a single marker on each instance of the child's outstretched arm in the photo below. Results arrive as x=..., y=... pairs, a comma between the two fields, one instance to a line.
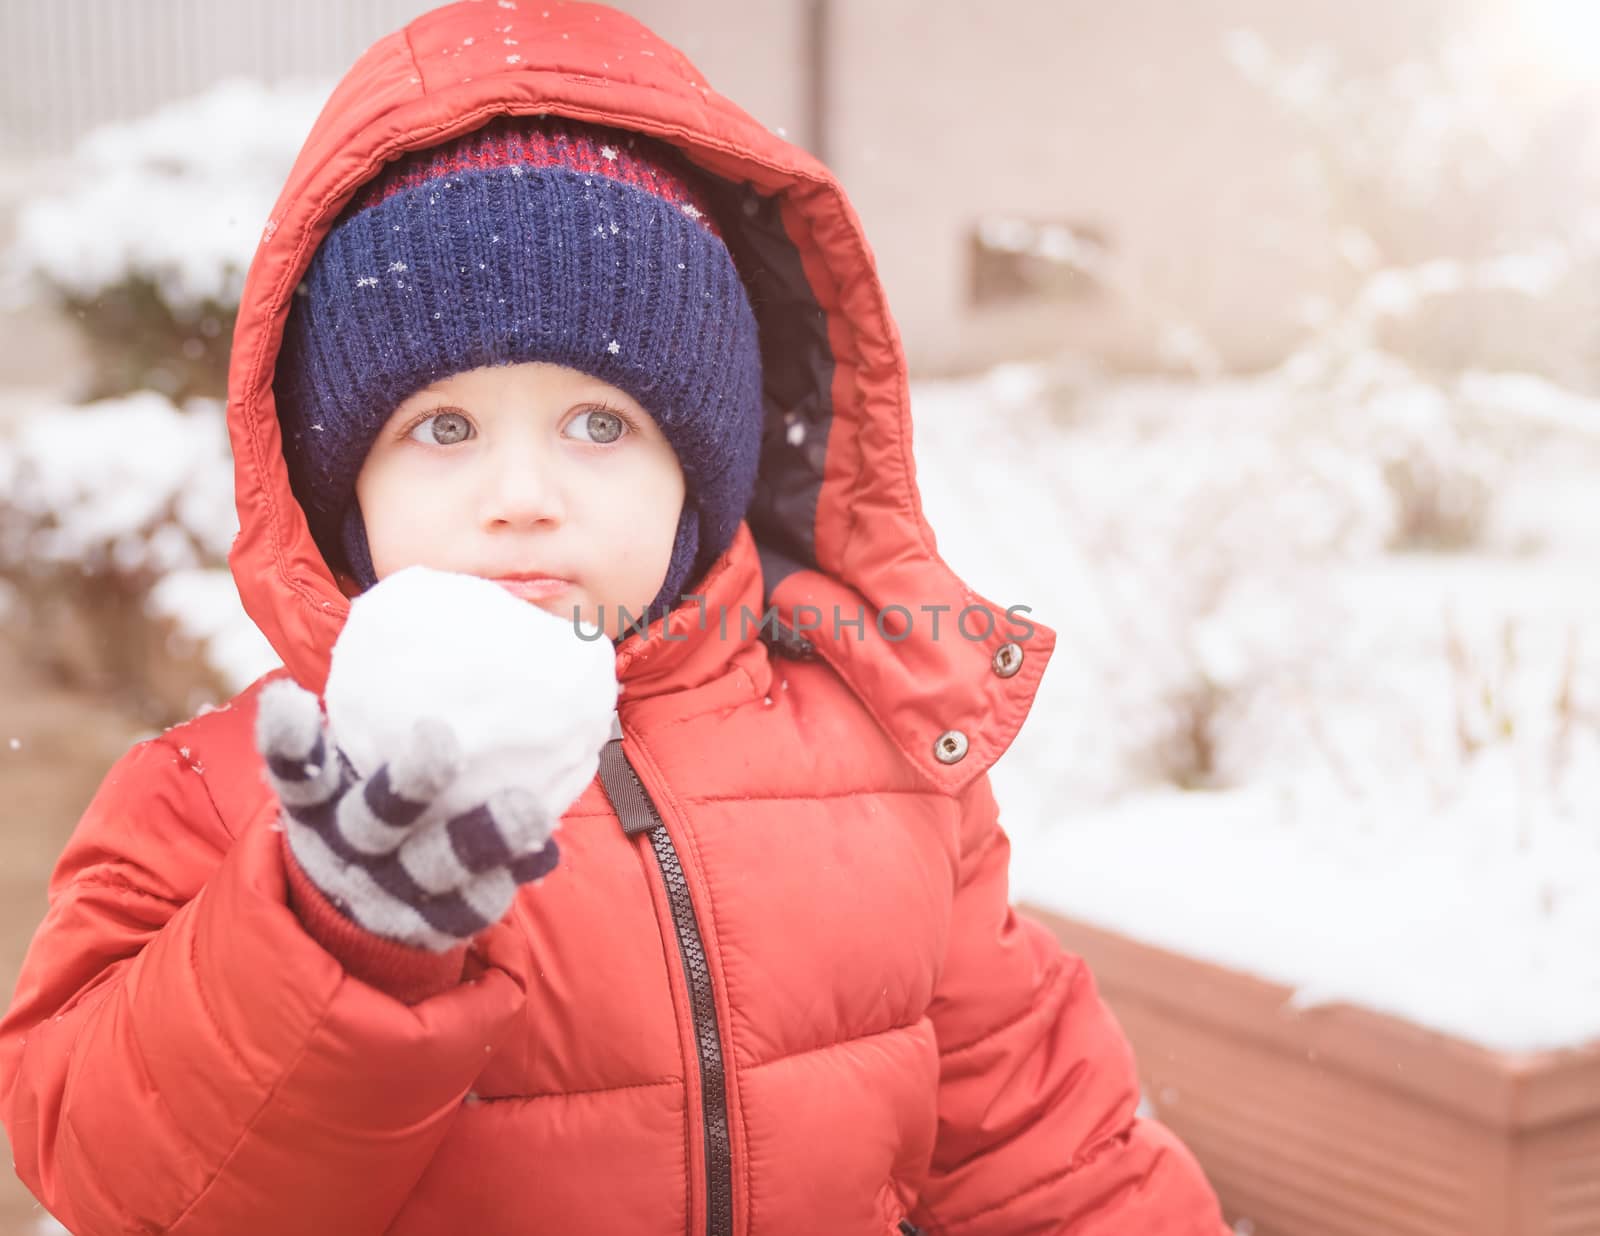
x=1037, y=1094
x=183, y=1055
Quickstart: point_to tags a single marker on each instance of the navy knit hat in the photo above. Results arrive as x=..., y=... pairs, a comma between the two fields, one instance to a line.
x=526, y=240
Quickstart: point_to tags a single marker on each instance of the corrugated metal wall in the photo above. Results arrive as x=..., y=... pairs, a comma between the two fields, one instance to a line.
x=73, y=64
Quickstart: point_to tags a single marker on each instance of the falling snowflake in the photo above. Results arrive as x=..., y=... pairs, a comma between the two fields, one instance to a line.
x=516, y=169
x=681, y=266
x=692, y=211
x=495, y=239
x=467, y=42
x=15, y=744
x=396, y=268
x=367, y=281
x=599, y=229
x=796, y=434
x=508, y=4
x=608, y=152
x=318, y=427
x=614, y=228
x=614, y=347
x=513, y=59
x=510, y=42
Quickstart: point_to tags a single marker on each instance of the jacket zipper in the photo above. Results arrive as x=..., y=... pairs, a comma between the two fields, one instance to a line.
x=639, y=815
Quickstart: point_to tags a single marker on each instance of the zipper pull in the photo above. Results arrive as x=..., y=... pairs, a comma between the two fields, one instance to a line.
x=907, y=1228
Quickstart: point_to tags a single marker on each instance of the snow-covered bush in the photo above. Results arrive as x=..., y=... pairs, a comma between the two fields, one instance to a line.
x=1449, y=682
x=1457, y=218
x=1457, y=207
x=1221, y=574
x=201, y=607
x=1189, y=530
x=114, y=528
x=116, y=516
x=1441, y=461
x=133, y=485
x=148, y=247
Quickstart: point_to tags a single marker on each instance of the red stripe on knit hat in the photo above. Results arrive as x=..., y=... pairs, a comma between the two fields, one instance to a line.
x=592, y=153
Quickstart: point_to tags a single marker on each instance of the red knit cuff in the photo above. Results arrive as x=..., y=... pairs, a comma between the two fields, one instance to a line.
x=406, y=973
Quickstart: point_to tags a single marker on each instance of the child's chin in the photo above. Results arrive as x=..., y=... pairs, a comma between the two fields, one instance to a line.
x=567, y=607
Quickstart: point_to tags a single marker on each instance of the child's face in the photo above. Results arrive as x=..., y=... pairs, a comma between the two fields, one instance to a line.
x=552, y=482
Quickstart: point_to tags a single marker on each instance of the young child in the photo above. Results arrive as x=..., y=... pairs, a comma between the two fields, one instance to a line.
x=537, y=305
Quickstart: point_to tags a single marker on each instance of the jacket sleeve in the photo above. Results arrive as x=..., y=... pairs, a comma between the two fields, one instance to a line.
x=1037, y=1093
x=182, y=1056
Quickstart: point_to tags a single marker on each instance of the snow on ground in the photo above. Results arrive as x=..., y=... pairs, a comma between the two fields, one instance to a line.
x=1269, y=739
x=1430, y=918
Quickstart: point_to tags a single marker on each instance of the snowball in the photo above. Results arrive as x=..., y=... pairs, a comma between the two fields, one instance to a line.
x=530, y=701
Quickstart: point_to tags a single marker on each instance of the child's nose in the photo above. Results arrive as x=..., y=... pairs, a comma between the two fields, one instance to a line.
x=521, y=494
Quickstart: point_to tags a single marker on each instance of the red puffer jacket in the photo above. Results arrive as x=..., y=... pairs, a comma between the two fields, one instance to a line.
x=794, y=1001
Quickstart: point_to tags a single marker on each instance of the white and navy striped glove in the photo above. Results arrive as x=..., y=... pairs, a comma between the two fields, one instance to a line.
x=400, y=852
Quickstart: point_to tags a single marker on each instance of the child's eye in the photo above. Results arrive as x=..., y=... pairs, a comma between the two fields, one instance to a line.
x=442, y=429
x=600, y=425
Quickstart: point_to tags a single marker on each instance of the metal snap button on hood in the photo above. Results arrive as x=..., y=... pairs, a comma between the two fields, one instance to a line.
x=950, y=747
x=1007, y=660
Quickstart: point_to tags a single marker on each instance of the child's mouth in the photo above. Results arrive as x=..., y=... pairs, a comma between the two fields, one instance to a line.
x=533, y=587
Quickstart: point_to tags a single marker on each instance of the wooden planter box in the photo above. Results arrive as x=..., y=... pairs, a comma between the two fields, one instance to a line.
x=1338, y=1121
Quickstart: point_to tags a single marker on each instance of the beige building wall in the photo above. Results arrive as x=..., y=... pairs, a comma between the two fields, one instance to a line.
x=751, y=51
x=1127, y=119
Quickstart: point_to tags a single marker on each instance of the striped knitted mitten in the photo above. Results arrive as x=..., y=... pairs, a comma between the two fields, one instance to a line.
x=385, y=849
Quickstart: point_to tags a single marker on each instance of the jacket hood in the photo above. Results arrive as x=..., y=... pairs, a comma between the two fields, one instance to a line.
x=836, y=520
